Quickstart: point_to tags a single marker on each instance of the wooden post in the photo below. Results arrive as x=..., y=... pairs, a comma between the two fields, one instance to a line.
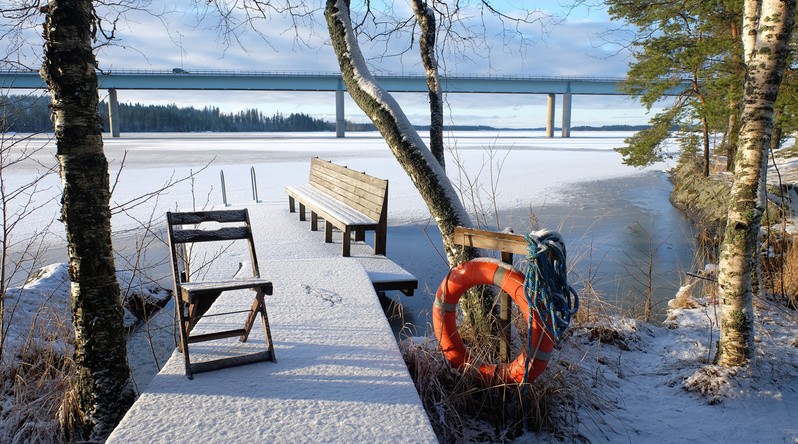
x=507, y=244
x=505, y=317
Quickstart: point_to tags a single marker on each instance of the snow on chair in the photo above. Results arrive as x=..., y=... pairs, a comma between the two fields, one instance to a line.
x=193, y=299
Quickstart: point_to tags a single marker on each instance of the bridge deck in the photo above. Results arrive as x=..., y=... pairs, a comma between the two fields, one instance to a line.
x=339, y=375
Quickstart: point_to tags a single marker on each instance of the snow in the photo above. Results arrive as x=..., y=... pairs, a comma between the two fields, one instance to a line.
x=42, y=305
x=339, y=375
x=662, y=390
x=640, y=374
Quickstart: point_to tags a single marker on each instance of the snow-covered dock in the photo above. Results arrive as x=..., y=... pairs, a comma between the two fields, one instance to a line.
x=339, y=375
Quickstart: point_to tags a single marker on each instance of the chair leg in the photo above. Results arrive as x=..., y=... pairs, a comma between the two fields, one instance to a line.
x=302, y=211
x=259, y=306
x=360, y=234
x=256, y=306
x=267, y=330
x=314, y=221
x=184, y=337
x=291, y=207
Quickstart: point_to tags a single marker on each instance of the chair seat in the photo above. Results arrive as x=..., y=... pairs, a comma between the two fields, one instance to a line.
x=192, y=290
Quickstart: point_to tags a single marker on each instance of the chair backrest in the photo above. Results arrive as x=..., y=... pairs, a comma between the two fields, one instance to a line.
x=223, y=225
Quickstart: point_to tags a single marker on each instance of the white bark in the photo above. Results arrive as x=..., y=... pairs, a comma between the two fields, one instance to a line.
x=767, y=26
x=405, y=143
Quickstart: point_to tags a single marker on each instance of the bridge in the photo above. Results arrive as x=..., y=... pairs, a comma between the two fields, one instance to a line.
x=179, y=79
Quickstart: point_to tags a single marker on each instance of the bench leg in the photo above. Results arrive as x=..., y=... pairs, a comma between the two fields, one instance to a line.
x=347, y=241
x=360, y=234
x=291, y=206
x=327, y=232
x=301, y=211
x=380, y=239
x=314, y=221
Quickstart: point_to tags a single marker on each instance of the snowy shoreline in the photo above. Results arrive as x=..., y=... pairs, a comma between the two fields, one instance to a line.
x=639, y=374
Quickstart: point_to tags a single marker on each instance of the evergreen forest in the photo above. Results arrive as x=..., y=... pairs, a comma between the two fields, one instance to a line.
x=31, y=114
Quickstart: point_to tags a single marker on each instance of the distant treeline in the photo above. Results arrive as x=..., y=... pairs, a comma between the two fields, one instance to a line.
x=31, y=114
x=136, y=118
x=614, y=128
x=25, y=114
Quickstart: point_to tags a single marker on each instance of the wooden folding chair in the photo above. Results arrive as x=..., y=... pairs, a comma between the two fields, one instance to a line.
x=193, y=299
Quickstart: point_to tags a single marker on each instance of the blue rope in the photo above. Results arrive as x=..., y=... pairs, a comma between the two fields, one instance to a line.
x=546, y=288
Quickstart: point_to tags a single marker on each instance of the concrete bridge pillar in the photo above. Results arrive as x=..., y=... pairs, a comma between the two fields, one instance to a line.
x=340, y=122
x=566, y=115
x=114, y=119
x=550, y=116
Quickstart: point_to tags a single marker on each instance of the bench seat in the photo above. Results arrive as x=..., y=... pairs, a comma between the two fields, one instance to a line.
x=322, y=203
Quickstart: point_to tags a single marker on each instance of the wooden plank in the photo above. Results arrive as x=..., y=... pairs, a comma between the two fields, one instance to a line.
x=377, y=189
x=196, y=217
x=233, y=361
x=222, y=234
x=216, y=335
x=503, y=242
x=407, y=287
x=233, y=284
x=348, y=187
x=326, y=164
x=346, y=190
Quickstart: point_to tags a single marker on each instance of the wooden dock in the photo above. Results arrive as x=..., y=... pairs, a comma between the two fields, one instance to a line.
x=339, y=375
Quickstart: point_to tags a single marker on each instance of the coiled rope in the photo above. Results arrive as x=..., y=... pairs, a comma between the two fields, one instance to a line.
x=546, y=287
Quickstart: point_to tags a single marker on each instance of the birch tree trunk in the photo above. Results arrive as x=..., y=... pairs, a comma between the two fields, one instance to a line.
x=406, y=145
x=735, y=101
x=104, y=387
x=425, y=17
x=767, y=25
x=425, y=172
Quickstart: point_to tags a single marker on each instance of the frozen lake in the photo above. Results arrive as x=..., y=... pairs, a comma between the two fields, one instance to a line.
x=612, y=216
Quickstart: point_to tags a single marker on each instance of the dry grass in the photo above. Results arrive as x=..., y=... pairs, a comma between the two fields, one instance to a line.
x=40, y=401
x=684, y=297
x=789, y=274
x=462, y=409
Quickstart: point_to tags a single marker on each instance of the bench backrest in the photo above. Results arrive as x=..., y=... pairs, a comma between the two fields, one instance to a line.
x=365, y=193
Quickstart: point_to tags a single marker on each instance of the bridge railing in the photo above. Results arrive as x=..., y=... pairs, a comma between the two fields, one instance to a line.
x=294, y=73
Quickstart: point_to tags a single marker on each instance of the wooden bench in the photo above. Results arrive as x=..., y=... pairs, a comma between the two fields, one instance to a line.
x=349, y=200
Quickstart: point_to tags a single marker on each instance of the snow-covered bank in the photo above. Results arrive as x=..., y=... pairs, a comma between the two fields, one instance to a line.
x=659, y=387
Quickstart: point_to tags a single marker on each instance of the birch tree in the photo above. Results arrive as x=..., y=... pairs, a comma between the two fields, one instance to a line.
x=104, y=388
x=767, y=25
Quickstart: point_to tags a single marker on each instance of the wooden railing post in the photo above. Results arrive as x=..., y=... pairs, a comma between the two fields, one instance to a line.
x=505, y=317
x=507, y=244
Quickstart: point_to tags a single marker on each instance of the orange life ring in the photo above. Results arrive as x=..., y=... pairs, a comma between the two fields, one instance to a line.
x=486, y=271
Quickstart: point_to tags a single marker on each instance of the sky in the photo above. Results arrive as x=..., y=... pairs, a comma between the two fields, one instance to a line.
x=560, y=41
